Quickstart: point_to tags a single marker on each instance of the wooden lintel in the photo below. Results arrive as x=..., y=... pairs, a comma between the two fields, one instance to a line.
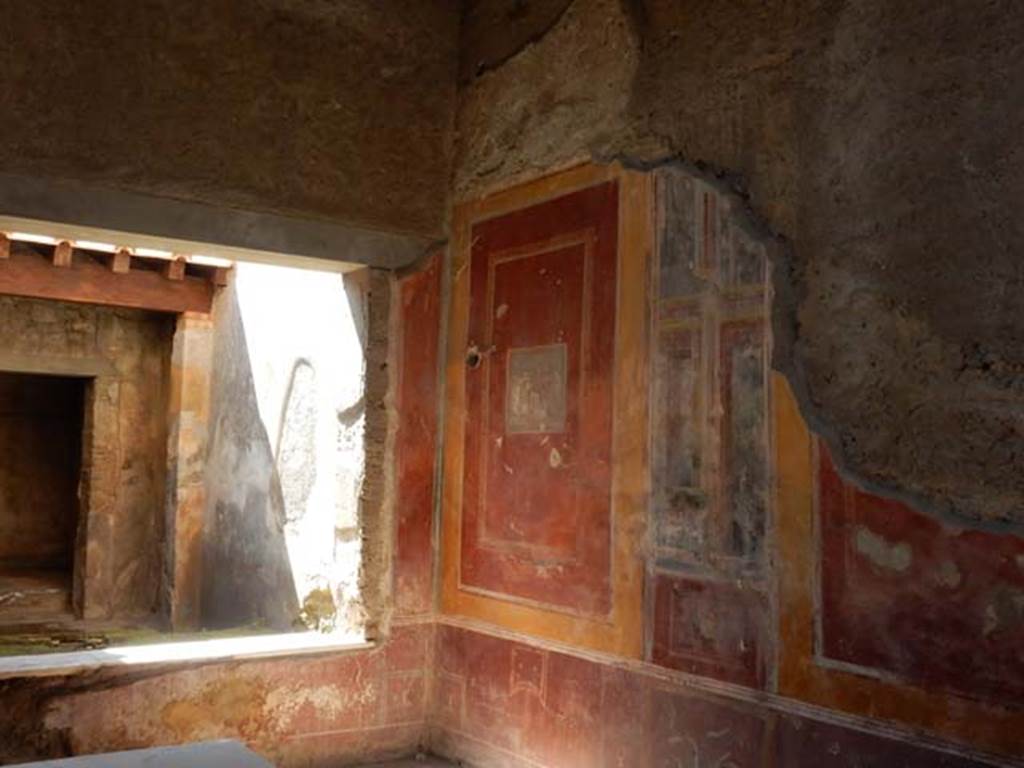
x=5, y=246
x=62, y=254
x=86, y=281
x=220, y=276
x=121, y=262
x=175, y=269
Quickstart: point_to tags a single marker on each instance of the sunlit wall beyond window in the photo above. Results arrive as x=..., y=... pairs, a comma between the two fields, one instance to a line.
x=284, y=501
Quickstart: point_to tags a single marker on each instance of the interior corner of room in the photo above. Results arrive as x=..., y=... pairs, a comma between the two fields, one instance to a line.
x=511, y=384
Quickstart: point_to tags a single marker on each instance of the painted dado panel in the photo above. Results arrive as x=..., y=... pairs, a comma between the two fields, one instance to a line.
x=709, y=504
x=537, y=495
x=507, y=702
x=905, y=596
x=712, y=628
x=546, y=445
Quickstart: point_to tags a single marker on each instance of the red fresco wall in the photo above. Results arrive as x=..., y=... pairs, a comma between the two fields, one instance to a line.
x=419, y=297
x=729, y=611
x=904, y=595
x=914, y=601
x=502, y=703
x=537, y=494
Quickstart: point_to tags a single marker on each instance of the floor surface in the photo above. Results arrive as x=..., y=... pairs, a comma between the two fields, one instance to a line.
x=210, y=754
x=430, y=762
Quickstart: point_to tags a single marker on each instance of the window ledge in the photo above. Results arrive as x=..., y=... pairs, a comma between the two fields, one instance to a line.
x=182, y=652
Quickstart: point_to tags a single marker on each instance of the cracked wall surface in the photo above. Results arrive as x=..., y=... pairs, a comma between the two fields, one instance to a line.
x=880, y=140
x=495, y=30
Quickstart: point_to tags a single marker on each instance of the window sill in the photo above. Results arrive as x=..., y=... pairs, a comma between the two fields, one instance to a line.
x=182, y=652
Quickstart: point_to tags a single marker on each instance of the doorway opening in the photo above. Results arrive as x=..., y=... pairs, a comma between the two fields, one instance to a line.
x=189, y=447
x=41, y=421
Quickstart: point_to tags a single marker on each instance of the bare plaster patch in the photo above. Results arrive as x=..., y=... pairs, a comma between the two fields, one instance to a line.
x=882, y=553
x=328, y=701
x=224, y=706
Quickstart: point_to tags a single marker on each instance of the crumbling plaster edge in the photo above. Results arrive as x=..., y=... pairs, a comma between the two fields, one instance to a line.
x=785, y=297
x=377, y=493
x=785, y=348
x=654, y=150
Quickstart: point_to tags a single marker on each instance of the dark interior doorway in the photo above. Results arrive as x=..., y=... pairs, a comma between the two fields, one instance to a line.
x=41, y=420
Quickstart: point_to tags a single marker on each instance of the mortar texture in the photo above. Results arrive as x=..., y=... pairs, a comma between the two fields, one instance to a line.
x=316, y=109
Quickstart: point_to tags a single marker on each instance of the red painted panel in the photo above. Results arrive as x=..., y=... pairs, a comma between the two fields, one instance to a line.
x=415, y=443
x=561, y=724
x=530, y=707
x=405, y=698
x=408, y=648
x=536, y=520
x=626, y=713
x=710, y=628
x=806, y=742
x=903, y=594
x=528, y=669
x=486, y=665
x=692, y=731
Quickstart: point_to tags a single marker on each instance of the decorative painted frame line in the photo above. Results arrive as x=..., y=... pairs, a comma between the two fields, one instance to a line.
x=621, y=632
x=801, y=675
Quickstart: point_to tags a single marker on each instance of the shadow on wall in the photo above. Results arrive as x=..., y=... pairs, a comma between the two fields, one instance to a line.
x=246, y=572
x=285, y=465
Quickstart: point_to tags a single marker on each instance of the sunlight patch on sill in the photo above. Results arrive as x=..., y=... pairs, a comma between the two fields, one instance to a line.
x=182, y=652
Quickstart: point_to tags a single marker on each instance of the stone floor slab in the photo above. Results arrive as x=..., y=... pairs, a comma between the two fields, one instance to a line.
x=429, y=762
x=210, y=754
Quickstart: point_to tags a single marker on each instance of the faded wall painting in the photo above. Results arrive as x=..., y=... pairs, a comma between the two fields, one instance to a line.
x=498, y=701
x=811, y=600
x=536, y=522
x=904, y=596
x=710, y=437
